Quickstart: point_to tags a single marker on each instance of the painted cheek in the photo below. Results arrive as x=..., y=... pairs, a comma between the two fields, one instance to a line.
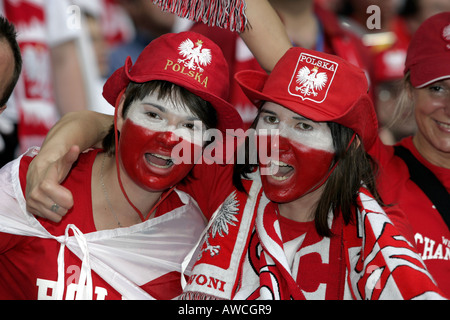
x=310, y=168
x=135, y=142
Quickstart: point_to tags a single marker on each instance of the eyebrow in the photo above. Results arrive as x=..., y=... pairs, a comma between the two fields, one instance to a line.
x=268, y=111
x=301, y=118
x=160, y=108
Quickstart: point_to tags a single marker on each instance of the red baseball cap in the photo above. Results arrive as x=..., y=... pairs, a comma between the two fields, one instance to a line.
x=187, y=59
x=318, y=86
x=428, y=57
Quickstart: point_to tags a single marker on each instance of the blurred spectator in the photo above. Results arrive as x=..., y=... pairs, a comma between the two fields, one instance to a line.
x=51, y=82
x=116, y=24
x=417, y=11
x=94, y=51
x=149, y=22
x=388, y=43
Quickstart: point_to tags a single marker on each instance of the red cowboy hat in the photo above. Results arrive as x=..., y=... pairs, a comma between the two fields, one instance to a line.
x=318, y=86
x=187, y=59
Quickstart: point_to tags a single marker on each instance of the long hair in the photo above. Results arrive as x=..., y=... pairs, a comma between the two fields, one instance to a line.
x=404, y=106
x=355, y=168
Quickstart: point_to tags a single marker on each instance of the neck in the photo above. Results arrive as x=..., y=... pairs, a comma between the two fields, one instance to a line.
x=108, y=190
x=300, y=21
x=430, y=153
x=301, y=209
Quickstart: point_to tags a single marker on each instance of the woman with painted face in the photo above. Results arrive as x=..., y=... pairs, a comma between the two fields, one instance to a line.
x=312, y=226
x=131, y=223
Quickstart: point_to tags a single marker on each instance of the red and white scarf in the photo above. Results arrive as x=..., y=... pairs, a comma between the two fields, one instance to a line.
x=242, y=256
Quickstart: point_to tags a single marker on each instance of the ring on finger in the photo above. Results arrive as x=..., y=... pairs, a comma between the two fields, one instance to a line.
x=54, y=208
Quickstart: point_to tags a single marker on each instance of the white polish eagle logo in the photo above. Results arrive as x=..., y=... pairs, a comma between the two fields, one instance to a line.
x=195, y=56
x=446, y=35
x=225, y=217
x=310, y=80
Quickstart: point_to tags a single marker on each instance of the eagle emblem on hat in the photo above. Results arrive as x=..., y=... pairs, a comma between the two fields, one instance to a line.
x=310, y=80
x=195, y=56
x=312, y=77
x=446, y=35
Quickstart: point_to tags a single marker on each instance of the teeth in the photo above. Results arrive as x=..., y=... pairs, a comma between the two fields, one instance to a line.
x=161, y=156
x=279, y=178
x=168, y=160
x=275, y=166
x=162, y=167
x=280, y=163
x=445, y=125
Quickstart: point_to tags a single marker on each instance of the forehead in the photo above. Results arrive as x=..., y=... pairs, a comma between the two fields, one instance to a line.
x=166, y=104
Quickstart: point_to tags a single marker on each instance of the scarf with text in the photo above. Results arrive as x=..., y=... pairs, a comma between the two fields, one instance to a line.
x=242, y=256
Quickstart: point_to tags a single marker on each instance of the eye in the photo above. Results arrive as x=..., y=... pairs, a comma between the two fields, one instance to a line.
x=304, y=126
x=436, y=88
x=270, y=119
x=153, y=115
x=190, y=126
x=439, y=89
x=193, y=125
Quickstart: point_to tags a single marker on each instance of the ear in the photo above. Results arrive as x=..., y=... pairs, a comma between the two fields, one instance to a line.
x=119, y=111
x=357, y=141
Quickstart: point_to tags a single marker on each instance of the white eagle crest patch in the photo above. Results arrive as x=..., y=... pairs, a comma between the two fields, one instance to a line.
x=446, y=35
x=312, y=77
x=225, y=217
x=195, y=56
x=310, y=80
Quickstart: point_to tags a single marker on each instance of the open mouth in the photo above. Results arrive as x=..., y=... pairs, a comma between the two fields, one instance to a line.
x=159, y=161
x=280, y=171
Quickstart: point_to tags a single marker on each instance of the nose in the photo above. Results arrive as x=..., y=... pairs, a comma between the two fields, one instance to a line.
x=167, y=139
x=270, y=147
x=280, y=143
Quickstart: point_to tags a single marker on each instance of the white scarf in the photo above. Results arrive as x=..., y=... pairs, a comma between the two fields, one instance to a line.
x=126, y=258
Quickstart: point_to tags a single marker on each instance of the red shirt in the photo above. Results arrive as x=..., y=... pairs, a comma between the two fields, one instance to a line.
x=28, y=265
x=431, y=234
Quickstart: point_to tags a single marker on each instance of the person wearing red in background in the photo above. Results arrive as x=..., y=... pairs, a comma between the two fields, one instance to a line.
x=422, y=161
x=131, y=223
x=307, y=25
x=385, y=28
x=51, y=83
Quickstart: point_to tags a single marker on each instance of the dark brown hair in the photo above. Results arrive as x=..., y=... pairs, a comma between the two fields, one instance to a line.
x=8, y=34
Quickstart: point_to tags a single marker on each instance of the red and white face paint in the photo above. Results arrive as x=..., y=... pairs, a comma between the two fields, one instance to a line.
x=303, y=156
x=149, y=134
